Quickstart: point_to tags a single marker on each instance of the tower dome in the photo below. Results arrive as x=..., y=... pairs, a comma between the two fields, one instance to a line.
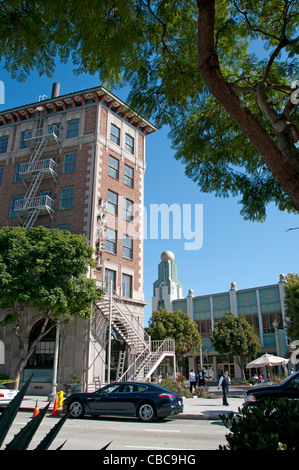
x=167, y=256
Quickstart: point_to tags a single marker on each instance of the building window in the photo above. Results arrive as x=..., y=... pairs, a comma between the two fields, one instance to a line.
x=46, y=199
x=129, y=144
x=1, y=175
x=3, y=144
x=64, y=227
x=69, y=163
x=129, y=176
x=128, y=210
x=115, y=134
x=268, y=319
x=204, y=328
x=17, y=174
x=127, y=282
x=54, y=129
x=113, y=169
x=66, y=198
x=127, y=247
x=111, y=237
x=25, y=135
x=110, y=276
x=72, y=129
x=112, y=202
x=14, y=199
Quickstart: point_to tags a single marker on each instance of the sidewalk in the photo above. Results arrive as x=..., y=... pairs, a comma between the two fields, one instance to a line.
x=194, y=408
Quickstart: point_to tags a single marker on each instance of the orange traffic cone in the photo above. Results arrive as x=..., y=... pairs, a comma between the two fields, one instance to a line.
x=55, y=408
x=36, y=409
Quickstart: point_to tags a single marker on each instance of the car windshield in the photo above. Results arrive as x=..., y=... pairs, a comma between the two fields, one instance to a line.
x=3, y=386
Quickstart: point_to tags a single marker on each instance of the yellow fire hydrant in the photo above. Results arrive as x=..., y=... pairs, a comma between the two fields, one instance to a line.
x=60, y=398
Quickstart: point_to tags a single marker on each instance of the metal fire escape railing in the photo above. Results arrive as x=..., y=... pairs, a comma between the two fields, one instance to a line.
x=149, y=353
x=34, y=171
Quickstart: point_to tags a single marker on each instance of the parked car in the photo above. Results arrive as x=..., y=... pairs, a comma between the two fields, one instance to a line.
x=288, y=388
x=6, y=395
x=143, y=400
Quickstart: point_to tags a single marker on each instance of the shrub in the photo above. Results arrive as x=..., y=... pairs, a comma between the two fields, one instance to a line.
x=273, y=426
x=203, y=392
x=176, y=386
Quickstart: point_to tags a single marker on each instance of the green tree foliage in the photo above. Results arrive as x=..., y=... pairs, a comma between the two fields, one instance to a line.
x=234, y=335
x=292, y=305
x=270, y=427
x=176, y=325
x=45, y=270
x=190, y=64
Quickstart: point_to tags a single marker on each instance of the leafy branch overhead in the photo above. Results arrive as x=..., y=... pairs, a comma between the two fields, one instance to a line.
x=218, y=72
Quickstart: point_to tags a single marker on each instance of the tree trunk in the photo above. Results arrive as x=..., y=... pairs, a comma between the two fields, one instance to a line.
x=277, y=161
x=25, y=356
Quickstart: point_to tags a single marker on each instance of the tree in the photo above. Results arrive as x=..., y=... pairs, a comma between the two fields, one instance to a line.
x=176, y=325
x=292, y=305
x=190, y=64
x=234, y=335
x=44, y=270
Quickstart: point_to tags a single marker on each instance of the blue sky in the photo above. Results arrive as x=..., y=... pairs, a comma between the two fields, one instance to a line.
x=233, y=250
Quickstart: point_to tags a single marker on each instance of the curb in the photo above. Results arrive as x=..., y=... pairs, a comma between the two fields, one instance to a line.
x=191, y=416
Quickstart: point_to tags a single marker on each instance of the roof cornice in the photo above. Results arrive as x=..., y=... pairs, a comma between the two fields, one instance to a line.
x=80, y=98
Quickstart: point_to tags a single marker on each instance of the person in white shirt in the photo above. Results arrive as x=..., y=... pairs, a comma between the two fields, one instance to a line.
x=224, y=382
x=192, y=380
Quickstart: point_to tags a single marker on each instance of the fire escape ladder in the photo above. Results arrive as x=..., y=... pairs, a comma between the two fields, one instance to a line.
x=31, y=218
x=33, y=188
x=37, y=152
x=34, y=171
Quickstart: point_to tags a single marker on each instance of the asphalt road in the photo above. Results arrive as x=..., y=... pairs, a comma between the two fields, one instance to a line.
x=94, y=433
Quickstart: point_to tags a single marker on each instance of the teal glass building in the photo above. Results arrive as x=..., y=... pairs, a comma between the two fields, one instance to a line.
x=263, y=307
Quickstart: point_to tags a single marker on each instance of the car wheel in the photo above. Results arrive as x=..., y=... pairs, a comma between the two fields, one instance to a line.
x=146, y=412
x=77, y=409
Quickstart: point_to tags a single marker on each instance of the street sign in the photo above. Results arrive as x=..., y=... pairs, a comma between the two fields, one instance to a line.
x=134, y=349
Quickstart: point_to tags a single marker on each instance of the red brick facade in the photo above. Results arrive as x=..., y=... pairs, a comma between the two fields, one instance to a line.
x=84, y=120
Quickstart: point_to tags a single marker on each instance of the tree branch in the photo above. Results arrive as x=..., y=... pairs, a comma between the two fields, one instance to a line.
x=283, y=166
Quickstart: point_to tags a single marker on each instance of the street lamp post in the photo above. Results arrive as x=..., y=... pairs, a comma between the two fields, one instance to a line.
x=109, y=336
x=275, y=326
x=55, y=364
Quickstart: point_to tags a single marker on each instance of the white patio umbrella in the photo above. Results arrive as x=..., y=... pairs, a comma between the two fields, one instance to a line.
x=267, y=360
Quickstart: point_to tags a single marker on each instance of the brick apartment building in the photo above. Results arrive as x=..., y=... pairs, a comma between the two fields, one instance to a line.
x=76, y=162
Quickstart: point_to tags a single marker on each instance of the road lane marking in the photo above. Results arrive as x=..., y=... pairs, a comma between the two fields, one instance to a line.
x=163, y=430
x=157, y=448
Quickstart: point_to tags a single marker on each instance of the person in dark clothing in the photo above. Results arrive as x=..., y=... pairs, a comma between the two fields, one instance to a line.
x=201, y=378
x=224, y=382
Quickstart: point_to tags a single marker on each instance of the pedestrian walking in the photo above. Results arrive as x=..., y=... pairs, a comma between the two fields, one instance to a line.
x=201, y=378
x=192, y=380
x=224, y=382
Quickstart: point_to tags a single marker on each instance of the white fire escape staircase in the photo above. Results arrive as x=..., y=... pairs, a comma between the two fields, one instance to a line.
x=149, y=353
x=33, y=172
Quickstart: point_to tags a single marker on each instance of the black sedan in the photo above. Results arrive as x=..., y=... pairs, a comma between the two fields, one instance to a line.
x=143, y=400
x=288, y=388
